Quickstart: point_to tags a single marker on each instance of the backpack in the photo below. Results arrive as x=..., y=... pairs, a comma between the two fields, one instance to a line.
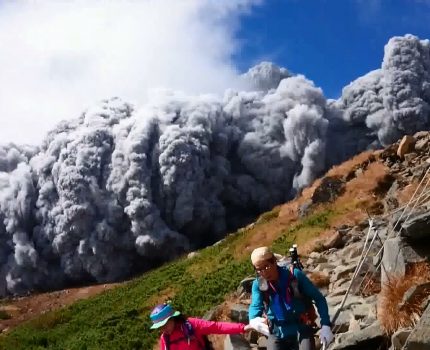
x=189, y=334
x=309, y=316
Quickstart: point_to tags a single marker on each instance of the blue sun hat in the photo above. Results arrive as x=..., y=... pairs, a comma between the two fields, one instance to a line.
x=161, y=314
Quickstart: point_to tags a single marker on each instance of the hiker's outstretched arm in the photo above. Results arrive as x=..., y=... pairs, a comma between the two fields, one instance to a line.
x=309, y=289
x=211, y=327
x=256, y=308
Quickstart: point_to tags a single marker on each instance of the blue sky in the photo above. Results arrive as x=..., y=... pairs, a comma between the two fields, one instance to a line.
x=331, y=42
x=53, y=69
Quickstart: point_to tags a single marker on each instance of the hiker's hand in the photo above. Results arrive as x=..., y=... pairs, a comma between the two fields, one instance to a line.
x=259, y=325
x=326, y=335
x=247, y=328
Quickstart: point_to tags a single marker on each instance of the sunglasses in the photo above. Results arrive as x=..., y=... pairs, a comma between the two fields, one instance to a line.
x=263, y=269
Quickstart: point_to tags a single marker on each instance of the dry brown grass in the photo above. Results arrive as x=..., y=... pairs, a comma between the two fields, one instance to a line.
x=162, y=296
x=390, y=314
x=405, y=194
x=371, y=286
x=359, y=188
x=345, y=167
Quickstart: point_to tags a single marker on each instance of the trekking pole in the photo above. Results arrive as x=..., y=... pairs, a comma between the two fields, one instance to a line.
x=294, y=256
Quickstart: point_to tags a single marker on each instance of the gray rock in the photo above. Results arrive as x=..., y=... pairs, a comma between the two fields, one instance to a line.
x=239, y=313
x=354, y=325
x=351, y=300
x=339, y=291
x=419, y=338
x=352, y=250
x=342, y=271
x=419, y=171
x=362, y=311
x=262, y=342
x=317, y=257
x=335, y=241
x=245, y=285
x=425, y=303
x=409, y=157
x=305, y=209
x=398, y=339
x=417, y=227
x=343, y=321
x=325, y=267
x=376, y=260
x=339, y=283
x=371, y=337
x=334, y=300
x=412, y=293
x=329, y=189
x=421, y=144
x=236, y=342
x=421, y=134
x=397, y=255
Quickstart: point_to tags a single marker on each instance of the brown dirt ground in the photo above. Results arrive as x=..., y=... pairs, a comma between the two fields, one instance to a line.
x=26, y=308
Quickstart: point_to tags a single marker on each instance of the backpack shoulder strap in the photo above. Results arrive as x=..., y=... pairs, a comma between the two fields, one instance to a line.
x=190, y=333
x=291, y=269
x=187, y=330
x=292, y=283
x=166, y=339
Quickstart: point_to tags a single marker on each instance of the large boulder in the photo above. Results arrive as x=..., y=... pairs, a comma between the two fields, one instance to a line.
x=417, y=227
x=398, y=254
x=239, y=313
x=371, y=337
x=329, y=189
x=406, y=146
x=245, y=286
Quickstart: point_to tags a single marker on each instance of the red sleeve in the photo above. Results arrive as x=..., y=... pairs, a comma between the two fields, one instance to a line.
x=161, y=342
x=211, y=327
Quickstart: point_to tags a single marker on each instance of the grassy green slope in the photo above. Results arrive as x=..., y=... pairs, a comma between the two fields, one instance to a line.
x=118, y=319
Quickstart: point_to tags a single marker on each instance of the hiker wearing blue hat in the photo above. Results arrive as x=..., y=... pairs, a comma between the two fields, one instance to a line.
x=187, y=333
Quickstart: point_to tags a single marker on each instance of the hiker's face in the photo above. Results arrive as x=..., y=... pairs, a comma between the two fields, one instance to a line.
x=267, y=269
x=169, y=326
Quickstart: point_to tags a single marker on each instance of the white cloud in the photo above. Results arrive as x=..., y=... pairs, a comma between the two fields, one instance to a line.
x=56, y=58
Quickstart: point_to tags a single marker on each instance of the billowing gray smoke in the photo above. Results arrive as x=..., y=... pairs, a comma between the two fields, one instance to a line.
x=394, y=100
x=120, y=190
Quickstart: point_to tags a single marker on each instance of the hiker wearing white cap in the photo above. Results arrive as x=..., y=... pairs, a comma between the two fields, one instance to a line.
x=282, y=292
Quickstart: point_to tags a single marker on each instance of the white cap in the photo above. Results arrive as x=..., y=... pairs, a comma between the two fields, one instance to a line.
x=261, y=254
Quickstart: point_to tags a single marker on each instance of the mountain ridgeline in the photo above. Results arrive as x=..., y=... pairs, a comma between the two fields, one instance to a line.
x=120, y=190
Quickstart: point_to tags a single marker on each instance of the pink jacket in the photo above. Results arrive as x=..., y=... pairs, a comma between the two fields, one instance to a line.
x=179, y=341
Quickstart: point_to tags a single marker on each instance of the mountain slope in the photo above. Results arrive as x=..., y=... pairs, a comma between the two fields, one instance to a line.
x=118, y=318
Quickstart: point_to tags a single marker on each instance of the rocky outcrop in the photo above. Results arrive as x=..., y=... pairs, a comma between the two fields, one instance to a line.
x=328, y=190
x=371, y=337
x=398, y=255
x=403, y=239
x=406, y=146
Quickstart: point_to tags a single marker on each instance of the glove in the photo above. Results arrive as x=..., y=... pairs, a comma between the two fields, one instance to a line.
x=260, y=325
x=326, y=335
